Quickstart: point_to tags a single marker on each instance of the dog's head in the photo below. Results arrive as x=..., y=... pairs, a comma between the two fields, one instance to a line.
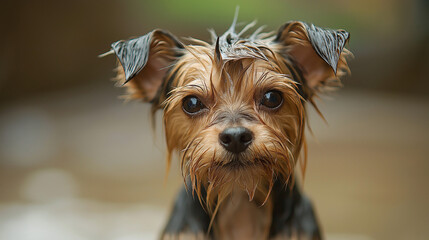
x=234, y=109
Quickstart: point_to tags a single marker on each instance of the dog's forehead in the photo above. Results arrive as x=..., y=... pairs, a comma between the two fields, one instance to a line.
x=198, y=67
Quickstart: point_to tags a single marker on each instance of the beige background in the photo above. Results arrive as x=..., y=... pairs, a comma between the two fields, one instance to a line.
x=78, y=163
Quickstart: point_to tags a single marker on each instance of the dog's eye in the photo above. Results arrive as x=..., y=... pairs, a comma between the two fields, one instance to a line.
x=272, y=99
x=192, y=105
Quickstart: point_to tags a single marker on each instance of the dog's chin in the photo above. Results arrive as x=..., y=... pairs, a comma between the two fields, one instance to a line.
x=251, y=176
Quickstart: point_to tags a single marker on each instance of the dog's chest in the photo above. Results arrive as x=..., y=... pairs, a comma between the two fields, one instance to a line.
x=239, y=219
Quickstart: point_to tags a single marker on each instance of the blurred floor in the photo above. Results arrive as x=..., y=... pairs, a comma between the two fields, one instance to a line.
x=83, y=165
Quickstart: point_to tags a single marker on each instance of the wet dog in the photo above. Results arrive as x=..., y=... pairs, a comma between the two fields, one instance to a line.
x=235, y=112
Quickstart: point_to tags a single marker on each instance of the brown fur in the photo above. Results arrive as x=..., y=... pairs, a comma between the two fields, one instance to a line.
x=241, y=219
x=232, y=89
x=230, y=82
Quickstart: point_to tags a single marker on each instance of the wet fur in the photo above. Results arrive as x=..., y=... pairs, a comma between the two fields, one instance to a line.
x=289, y=214
x=230, y=76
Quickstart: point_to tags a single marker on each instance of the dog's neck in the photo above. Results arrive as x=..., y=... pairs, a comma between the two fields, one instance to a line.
x=238, y=218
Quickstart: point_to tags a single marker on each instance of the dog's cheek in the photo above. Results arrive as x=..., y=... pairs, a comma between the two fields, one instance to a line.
x=178, y=128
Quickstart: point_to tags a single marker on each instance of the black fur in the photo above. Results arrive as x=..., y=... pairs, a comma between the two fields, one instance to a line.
x=188, y=215
x=327, y=43
x=134, y=53
x=292, y=214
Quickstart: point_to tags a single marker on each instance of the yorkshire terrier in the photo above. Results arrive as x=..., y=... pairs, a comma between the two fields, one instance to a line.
x=235, y=112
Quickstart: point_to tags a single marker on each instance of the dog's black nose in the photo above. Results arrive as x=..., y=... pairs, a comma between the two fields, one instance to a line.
x=236, y=139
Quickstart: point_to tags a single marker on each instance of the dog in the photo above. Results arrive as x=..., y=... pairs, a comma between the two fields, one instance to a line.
x=234, y=111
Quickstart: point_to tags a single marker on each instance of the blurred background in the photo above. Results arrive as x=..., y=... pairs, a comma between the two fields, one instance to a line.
x=78, y=163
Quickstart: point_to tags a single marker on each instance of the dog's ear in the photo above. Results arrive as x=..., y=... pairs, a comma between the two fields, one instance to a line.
x=144, y=63
x=319, y=54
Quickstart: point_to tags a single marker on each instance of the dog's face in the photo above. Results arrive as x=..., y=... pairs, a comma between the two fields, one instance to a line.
x=236, y=123
x=234, y=110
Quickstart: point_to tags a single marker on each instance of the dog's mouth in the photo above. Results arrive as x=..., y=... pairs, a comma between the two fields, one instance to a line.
x=238, y=164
